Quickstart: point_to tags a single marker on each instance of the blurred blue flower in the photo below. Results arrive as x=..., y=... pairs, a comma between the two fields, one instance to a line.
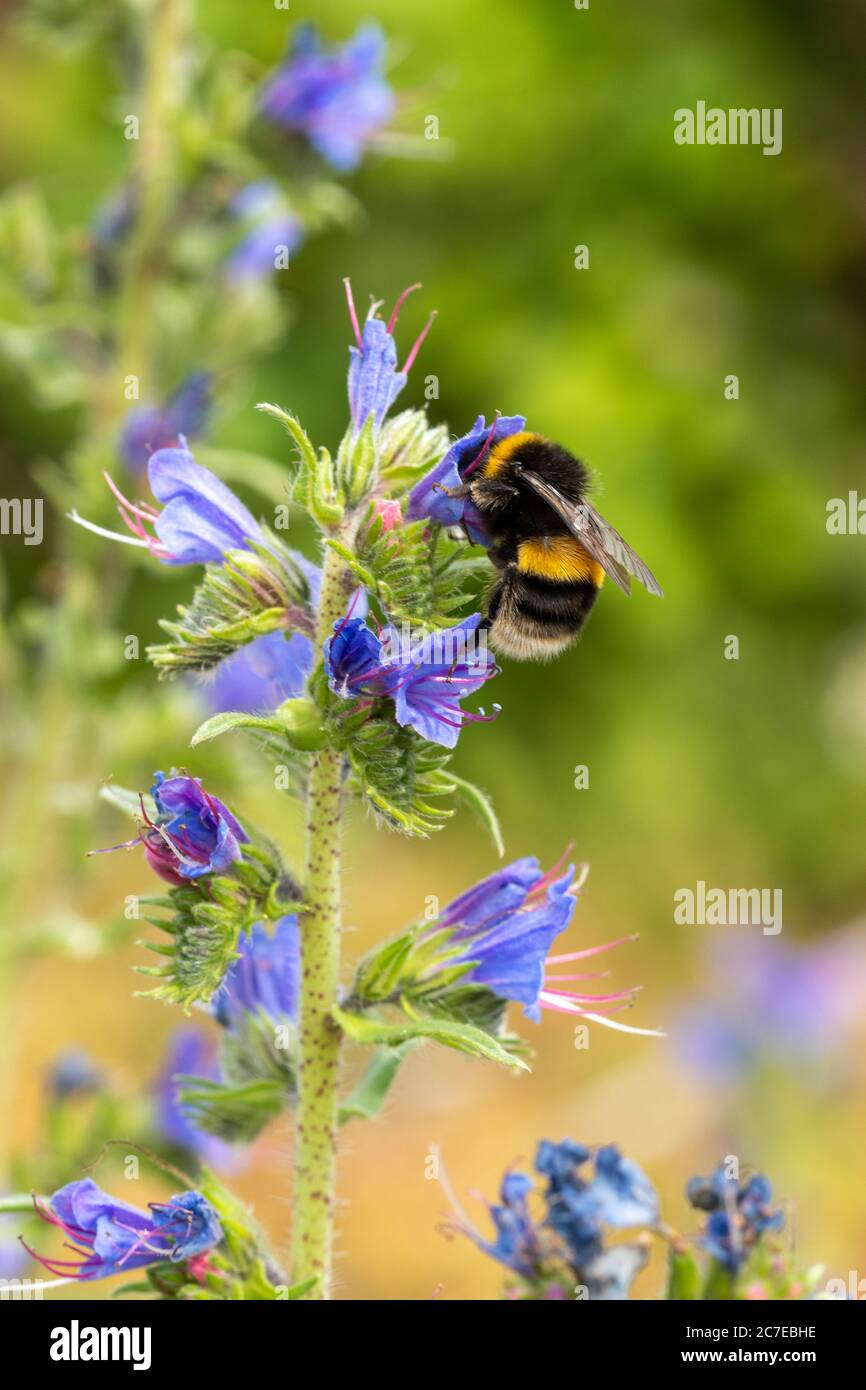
x=426, y=677
x=73, y=1072
x=426, y=500
x=565, y=1244
x=338, y=98
x=619, y=1195
x=265, y=978
x=111, y=1237
x=738, y=1214
x=793, y=1004
x=190, y=1053
x=260, y=676
x=268, y=228
x=375, y=381
x=149, y=428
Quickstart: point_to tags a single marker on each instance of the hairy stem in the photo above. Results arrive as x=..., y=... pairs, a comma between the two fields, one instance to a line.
x=319, y=1037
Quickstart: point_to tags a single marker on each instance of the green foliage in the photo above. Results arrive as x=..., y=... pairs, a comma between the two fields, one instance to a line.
x=416, y=573
x=252, y=592
x=396, y=772
x=234, y=1111
x=204, y=921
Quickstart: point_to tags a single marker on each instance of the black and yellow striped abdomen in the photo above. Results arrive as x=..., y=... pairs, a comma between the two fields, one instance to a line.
x=543, y=597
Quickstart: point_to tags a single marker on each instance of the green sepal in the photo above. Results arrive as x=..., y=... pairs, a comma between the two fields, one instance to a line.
x=461, y=1036
x=255, y=590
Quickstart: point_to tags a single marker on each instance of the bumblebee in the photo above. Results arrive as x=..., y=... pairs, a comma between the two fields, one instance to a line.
x=550, y=547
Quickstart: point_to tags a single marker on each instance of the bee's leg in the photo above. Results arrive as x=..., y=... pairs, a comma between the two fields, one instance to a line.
x=458, y=493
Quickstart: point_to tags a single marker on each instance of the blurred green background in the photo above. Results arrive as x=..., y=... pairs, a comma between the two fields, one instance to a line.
x=557, y=130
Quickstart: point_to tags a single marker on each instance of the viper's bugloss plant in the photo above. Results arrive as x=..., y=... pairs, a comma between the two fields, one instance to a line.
x=357, y=674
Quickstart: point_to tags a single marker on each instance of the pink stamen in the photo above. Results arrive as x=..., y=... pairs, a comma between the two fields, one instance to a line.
x=401, y=299
x=141, y=509
x=552, y=874
x=407, y=366
x=352, y=314
x=591, y=998
x=587, y=975
x=484, y=448
x=590, y=951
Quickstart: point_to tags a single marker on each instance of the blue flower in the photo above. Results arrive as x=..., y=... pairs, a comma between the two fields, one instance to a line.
x=375, y=381
x=337, y=99
x=201, y=519
x=110, y=1237
x=738, y=1214
x=269, y=227
x=148, y=428
x=426, y=678
x=260, y=676
x=511, y=930
x=794, y=1005
x=190, y=1053
x=265, y=978
x=427, y=500
x=73, y=1073
x=194, y=833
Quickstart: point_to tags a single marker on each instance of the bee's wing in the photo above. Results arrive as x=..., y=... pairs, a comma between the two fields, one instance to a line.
x=597, y=536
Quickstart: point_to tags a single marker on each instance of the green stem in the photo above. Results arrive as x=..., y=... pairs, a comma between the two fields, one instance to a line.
x=20, y=1201
x=161, y=97
x=319, y=1036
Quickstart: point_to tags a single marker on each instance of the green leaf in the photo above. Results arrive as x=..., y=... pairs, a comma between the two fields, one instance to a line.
x=366, y=1099
x=461, y=1036
x=480, y=803
x=221, y=723
x=684, y=1276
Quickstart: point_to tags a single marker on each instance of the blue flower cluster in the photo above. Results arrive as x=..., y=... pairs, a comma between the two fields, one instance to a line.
x=565, y=1247
x=337, y=99
x=738, y=1214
